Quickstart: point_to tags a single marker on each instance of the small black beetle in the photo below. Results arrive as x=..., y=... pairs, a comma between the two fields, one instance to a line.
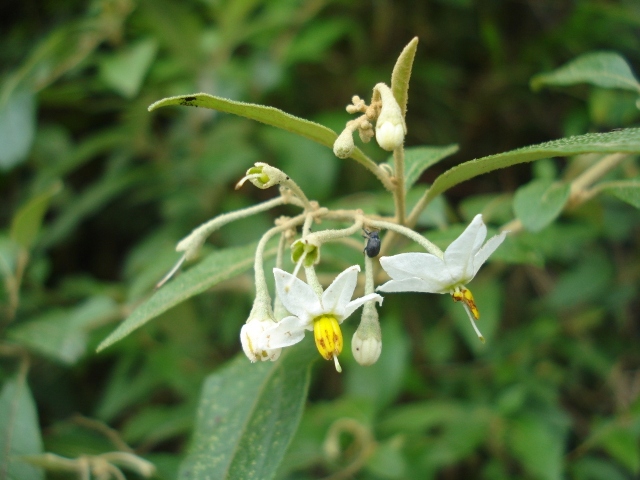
x=373, y=243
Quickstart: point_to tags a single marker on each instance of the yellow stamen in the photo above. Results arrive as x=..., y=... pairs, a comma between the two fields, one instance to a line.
x=328, y=336
x=464, y=295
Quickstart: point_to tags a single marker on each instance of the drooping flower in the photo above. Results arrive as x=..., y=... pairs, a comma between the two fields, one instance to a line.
x=322, y=314
x=252, y=334
x=424, y=272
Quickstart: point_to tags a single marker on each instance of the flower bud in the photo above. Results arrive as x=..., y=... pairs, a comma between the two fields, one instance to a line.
x=310, y=251
x=343, y=146
x=366, y=343
x=390, y=126
x=263, y=176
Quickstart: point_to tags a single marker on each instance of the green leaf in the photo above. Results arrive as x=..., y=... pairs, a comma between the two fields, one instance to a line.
x=421, y=416
x=381, y=382
x=595, y=468
x=622, y=444
x=87, y=202
x=312, y=43
x=248, y=415
x=418, y=159
x=63, y=334
x=268, y=115
x=217, y=267
x=28, y=219
x=538, y=447
x=624, y=140
x=402, y=74
x=19, y=431
x=125, y=70
x=603, y=69
x=538, y=203
x=17, y=128
x=625, y=190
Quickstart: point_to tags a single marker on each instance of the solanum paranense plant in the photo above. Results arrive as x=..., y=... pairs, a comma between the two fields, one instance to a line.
x=250, y=408
x=304, y=305
x=275, y=323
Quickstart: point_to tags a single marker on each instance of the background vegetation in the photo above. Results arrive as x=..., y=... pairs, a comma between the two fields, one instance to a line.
x=96, y=192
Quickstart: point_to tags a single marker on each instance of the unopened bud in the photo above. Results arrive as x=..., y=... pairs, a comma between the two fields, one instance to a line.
x=310, y=251
x=343, y=146
x=263, y=176
x=366, y=344
x=390, y=126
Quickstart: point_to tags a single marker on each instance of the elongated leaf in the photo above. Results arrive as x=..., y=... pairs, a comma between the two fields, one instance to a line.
x=627, y=191
x=27, y=221
x=125, y=70
x=603, y=69
x=538, y=203
x=17, y=128
x=19, y=431
x=217, y=267
x=625, y=140
x=63, y=334
x=418, y=159
x=538, y=447
x=402, y=74
x=247, y=416
x=622, y=444
x=269, y=115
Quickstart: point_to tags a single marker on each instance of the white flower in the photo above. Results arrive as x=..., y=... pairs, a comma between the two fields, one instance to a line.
x=424, y=272
x=322, y=314
x=252, y=334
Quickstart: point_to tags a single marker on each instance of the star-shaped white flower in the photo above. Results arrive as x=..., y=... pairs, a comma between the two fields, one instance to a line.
x=424, y=272
x=322, y=314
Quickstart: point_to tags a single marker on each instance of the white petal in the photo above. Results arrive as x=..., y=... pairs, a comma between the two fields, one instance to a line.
x=253, y=341
x=336, y=297
x=286, y=332
x=488, y=248
x=459, y=255
x=389, y=136
x=358, y=302
x=414, y=285
x=422, y=265
x=297, y=297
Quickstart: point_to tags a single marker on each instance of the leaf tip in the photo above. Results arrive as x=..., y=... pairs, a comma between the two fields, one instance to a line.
x=153, y=106
x=107, y=342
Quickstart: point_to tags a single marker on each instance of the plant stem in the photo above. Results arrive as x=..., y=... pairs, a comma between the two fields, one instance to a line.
x=399, y=192
x=579, y=186
x=407, y=232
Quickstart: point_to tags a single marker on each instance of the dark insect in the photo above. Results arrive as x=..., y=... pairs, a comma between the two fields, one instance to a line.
x=373, y=243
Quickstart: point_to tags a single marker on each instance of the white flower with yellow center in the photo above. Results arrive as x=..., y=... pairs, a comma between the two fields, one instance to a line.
x=322, y=314
x=424, y=272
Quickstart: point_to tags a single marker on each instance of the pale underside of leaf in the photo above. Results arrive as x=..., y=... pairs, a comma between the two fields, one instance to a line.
x=624, y=141
x=418, y=159
x=603, y=69
x=268, y=115
x=540, y=202
x=626, y=190
x=217, y=267
x=247, y=416
x=402, y=74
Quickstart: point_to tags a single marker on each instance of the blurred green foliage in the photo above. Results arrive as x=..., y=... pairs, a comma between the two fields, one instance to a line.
x=96, y=192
